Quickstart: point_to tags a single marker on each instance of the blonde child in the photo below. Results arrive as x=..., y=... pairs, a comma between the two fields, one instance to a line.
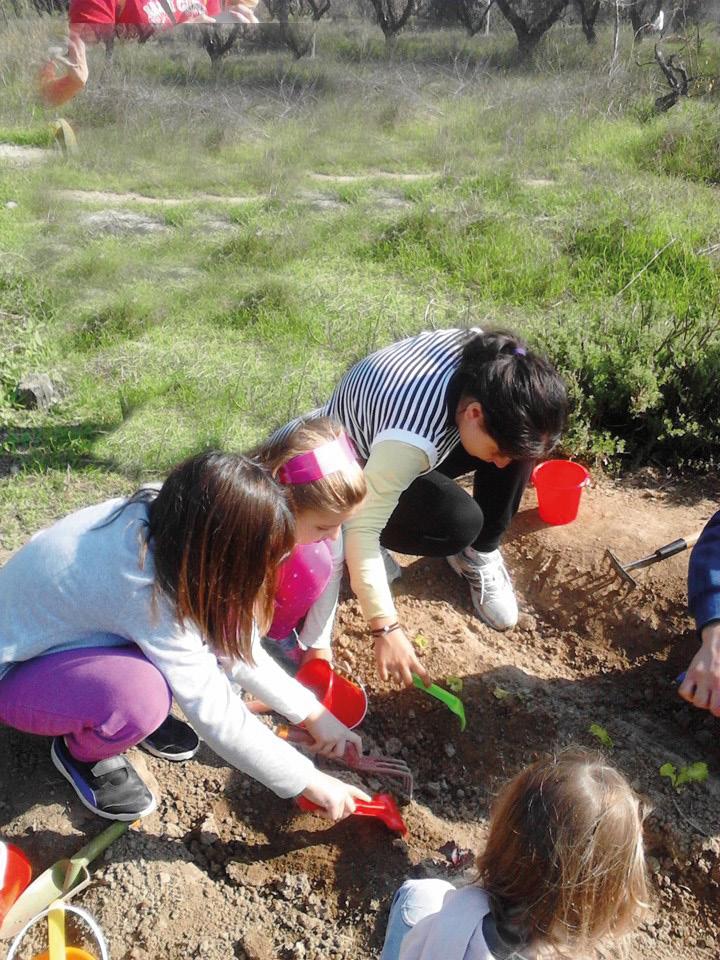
x=563, y=869
x=324, y=485
x=112, y=612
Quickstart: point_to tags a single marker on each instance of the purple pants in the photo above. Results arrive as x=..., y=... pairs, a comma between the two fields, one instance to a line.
x=103, y=700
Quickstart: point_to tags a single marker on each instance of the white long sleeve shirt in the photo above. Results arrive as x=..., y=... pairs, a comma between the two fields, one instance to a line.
x=80, y=583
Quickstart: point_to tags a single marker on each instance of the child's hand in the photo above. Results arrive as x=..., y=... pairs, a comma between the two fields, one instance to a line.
x=396, y=658
x=701, y=685
x=198, y=18
x=337, y=799
x=330, y=736
x=76, y=59
x=242, y=13
x=58, y=90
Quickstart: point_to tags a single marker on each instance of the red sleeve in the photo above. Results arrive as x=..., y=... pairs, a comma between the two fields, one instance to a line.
x=92, y=11
x=214, y=7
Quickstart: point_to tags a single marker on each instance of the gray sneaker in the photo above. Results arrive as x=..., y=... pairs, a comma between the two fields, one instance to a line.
x=490, y=588
x=393, y=569
x=111, y=788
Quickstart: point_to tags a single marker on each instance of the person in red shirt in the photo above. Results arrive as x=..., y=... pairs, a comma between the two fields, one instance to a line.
x=94, y=20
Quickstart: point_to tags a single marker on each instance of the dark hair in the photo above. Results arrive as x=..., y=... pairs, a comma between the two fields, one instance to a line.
x=219, y=527
x=564, y=860
x=523, y=397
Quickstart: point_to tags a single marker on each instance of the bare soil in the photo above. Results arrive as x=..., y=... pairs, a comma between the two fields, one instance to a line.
x=224, y=869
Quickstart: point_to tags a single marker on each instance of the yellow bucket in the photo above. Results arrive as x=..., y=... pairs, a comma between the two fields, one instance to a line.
x=71, y=953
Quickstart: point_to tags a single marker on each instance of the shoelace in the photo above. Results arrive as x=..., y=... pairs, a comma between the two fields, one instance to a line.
x=489, y=578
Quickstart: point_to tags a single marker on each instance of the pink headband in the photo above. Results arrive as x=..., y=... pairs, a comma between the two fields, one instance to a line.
x=331, y=457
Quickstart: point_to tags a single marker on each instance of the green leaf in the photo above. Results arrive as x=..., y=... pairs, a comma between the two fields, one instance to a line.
x=421, y=642
x=455, y=684
x=694, y=773
x=668, y=770
x=602, y=735
x=500, y=693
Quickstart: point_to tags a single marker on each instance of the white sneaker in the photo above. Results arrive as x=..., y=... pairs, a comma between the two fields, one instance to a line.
x=490, y=588
x=392, y=567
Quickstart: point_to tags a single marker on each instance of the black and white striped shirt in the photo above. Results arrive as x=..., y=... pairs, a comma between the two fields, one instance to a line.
x=400, y=393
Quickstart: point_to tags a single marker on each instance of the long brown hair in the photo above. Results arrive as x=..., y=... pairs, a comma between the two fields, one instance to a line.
x=337, y=492
x=218, y=529
x=564, y=860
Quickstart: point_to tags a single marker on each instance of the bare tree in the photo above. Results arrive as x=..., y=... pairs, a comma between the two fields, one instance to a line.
x=298, y=37
x=392, y=16
x=616, y=36
x=530, y=19
x=588, y=10
x=218, y=41
x=318, y=7
x=473, y=14
x=676, y=74
x=642, y=13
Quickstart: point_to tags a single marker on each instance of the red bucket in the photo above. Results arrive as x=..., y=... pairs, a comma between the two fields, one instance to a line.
x=559, y=485
x=15, y=874
x=343, y=698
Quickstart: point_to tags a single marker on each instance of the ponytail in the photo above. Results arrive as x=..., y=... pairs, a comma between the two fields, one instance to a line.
x=523, y=397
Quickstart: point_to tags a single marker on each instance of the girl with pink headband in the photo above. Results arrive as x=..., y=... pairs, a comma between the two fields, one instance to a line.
x=325, y=485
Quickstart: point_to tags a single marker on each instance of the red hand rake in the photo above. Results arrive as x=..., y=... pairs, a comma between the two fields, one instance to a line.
x=381, y=806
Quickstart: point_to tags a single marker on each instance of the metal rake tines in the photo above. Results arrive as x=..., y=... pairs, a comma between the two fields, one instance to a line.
x=381, y=766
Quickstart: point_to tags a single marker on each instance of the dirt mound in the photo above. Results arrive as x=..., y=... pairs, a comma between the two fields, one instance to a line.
x=224, y=869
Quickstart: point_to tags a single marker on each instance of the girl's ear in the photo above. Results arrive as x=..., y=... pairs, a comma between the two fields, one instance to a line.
x=474, y=413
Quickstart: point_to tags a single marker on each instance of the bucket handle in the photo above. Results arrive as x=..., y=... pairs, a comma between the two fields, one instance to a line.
x=83, y=914
x=587, y=482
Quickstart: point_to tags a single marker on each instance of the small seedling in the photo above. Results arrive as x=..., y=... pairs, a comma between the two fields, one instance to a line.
x=500, y=693
x=601, y=734
x=421, y=642
x=455, y=684
x=693, y=773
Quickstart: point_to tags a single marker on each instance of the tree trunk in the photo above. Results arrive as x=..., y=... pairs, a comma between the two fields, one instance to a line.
x=217, y=44
x=530, y=19
x=392, y=16
x=474, y=15
x=588, y=10
x=616, y=36
x=642, y=13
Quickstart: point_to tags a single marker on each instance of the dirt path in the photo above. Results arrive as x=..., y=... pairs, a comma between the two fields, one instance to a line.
x=224, y=869
x=117, y=199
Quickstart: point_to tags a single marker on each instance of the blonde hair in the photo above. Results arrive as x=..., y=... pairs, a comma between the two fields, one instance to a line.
x=337, y=492
x=564, y=859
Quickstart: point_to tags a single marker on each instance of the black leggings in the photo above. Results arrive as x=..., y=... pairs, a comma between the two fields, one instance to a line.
x=435, y=517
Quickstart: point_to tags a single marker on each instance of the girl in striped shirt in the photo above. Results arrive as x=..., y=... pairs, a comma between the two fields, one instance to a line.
x=420, y=413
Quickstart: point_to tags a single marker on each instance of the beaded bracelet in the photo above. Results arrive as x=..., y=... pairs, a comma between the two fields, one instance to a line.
x=382, y=631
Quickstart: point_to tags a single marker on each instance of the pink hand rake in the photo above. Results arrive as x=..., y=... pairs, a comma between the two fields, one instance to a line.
x=379, y=765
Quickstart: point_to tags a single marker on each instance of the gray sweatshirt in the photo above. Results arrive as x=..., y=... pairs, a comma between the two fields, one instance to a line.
x=81, y=584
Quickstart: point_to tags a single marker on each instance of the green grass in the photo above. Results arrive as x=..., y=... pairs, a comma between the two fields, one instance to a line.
x=556, y=204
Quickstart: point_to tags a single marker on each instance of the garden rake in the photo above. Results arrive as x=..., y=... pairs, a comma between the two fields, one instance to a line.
x=662, y=553
x=378, y=765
